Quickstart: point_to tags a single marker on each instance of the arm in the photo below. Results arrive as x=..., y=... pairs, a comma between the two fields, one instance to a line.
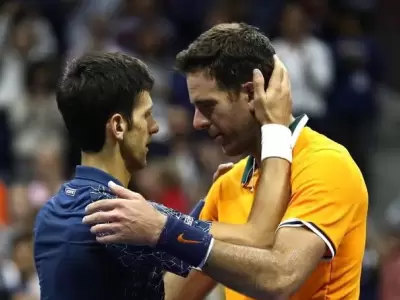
x=197, y=285
x=128, y=255
x=269, y=207
x=313, y=227
x=194, y=287
x=270, y=203
x=267, y=273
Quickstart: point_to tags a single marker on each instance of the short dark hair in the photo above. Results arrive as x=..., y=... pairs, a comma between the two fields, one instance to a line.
x=229, y=53
x=93, y=88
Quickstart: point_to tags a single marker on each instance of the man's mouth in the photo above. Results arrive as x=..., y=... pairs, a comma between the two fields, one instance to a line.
x=219, y=139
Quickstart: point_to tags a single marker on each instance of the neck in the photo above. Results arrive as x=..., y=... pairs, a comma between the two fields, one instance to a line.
x=110, y=163
x=256, y=153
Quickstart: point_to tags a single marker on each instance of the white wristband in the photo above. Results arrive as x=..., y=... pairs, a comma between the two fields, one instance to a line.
x=276, y=141
x=200, y=267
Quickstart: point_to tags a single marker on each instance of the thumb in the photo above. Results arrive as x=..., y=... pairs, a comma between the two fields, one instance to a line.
x=121, y=192
x=226, y=167
x=258, y=84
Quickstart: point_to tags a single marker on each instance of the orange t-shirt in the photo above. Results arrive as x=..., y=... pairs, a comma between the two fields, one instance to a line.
x=329, y=197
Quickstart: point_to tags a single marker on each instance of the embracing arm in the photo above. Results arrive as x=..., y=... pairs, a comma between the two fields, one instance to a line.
x=262, y=273
x=270, y=202
x=313, y=227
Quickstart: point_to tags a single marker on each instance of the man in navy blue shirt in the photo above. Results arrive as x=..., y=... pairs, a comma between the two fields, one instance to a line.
x=105, y=102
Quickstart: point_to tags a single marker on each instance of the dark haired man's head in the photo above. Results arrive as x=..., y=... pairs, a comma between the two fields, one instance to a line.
x=105, y=102
x=219, y=65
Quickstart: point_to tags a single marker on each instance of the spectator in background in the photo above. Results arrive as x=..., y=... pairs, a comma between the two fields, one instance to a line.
x=28, y=39
x=390, y=260
x=161, y=182
x=82, y=25
x=35, y=118
x=147, y=42
x=134, y=13
x=22, y=256
x=98, y=38
x=28, y=194
x=353, y=107
x=309, y=64
x=182, y=152
x=19, y=280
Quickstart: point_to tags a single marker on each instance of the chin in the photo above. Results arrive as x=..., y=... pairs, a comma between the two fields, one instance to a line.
x=137, y=164
x=232, y=150
x=142, y=164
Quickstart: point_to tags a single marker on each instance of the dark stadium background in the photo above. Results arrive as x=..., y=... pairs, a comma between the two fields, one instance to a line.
x=37, y=37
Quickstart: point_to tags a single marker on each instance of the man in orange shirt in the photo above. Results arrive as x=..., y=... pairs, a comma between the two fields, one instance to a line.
x=317, y=250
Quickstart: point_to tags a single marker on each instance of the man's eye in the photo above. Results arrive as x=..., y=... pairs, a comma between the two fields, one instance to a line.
x=208, y=105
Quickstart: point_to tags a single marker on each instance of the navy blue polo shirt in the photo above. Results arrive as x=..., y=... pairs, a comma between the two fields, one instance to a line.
x=72, y=265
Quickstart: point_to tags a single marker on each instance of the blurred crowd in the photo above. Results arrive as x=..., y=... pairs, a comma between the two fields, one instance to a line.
x=335, y=66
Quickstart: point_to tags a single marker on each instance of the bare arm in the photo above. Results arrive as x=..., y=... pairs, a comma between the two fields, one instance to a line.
x=271, y=199
x=194, y=287
x=326, y=206
x=262, y=273
x=267, y=212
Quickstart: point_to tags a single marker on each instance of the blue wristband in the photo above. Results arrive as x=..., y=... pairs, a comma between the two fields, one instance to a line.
x=185, y=242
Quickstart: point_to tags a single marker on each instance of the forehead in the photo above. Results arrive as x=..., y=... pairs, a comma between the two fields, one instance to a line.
x=203, y=87
x=143, y=101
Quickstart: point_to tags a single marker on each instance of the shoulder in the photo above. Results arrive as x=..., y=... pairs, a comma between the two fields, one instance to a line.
x=99, y=192
x=229, y=181
x=325, y=164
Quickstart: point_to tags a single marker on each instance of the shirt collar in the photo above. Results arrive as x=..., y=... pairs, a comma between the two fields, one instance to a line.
x=251, y=165
x=94, y=174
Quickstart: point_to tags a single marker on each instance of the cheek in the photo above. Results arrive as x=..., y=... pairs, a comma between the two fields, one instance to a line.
x=233, y=121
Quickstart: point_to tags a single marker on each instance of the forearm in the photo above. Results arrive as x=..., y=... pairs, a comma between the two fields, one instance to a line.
x=257, y=273
x=270, y=203
x=273, y=192
x=195, y=287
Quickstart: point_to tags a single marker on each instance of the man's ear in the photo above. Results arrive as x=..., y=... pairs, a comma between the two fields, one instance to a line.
x=248, y=89
x=118, y=126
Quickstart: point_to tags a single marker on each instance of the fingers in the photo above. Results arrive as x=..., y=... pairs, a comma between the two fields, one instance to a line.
x=277, y=74
x=258, y=84
x=226, y=166
x=222, y=169
x=109, y=238
x=122, y=192
x=103, y=205
x=100, y=217
x=104, y=229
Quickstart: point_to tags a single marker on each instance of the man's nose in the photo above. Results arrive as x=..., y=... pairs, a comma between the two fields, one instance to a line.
x=200, y=122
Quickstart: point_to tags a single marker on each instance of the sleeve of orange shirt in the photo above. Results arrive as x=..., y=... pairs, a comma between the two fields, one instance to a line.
x=328, y=189
x=210, y=209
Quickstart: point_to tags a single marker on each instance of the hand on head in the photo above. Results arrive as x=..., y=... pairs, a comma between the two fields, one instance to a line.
x=274, y=104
